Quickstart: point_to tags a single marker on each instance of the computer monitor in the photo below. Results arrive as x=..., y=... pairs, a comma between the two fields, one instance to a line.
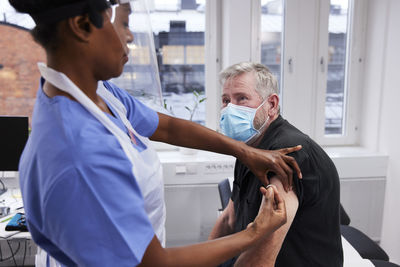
x=13, y=136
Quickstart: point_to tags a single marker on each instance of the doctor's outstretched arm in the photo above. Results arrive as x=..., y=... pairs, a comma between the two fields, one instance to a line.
x=185, y=133
x=271, y=216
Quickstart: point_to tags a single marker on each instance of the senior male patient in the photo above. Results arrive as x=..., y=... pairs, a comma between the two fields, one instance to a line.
x=311, y=236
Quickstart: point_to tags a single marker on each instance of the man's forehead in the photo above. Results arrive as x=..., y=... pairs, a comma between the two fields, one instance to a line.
x=242, y=84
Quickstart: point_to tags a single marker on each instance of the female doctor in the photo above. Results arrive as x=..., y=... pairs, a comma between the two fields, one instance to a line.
x=91, y=183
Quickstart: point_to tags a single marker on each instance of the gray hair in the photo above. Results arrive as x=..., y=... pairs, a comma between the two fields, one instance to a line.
x=266, y=83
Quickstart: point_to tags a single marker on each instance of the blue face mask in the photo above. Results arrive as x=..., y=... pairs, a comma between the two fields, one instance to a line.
x=237, y=122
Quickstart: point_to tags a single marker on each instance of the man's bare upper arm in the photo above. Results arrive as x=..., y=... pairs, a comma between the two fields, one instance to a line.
x=264, y=253
x=228, y=216
x=225, y=223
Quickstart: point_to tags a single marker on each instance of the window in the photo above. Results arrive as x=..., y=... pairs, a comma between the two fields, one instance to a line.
x=173, y=55
x=315, y=48
x=272, y=21
x=336, y=87
x=179, y=28
x=339, y=65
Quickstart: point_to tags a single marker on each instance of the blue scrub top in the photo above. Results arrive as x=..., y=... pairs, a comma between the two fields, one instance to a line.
x=82, y=203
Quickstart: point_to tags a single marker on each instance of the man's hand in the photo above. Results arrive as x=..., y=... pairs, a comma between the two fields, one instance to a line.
x=260, y=162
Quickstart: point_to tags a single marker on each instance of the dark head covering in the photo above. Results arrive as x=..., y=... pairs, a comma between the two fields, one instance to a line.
x=92, y=7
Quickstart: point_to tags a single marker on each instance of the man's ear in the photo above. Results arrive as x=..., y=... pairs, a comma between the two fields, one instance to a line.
x=273, y=101
x=80, y=27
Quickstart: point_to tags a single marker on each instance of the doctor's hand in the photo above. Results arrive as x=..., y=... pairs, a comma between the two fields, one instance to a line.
x=260, y=162
x=272, y=212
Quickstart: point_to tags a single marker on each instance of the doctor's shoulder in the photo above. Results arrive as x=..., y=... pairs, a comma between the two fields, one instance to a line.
x=131, y=103
x=118, y=92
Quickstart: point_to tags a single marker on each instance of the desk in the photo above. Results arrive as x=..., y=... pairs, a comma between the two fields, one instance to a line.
x=11, y=234
x=16, y=248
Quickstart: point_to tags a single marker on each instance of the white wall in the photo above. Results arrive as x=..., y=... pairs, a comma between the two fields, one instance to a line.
x=381, y=124
x=389, y=133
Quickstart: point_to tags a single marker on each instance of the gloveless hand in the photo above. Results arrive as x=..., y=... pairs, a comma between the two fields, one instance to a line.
x=260, y=162
x=272, y=212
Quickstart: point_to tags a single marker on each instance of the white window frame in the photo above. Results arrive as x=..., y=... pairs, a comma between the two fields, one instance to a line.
x=304, y=82
x=355, y=64
x=213, y=60
x=298, y=96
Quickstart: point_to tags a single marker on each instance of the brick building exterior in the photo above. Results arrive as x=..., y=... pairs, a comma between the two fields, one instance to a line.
x=19, y=75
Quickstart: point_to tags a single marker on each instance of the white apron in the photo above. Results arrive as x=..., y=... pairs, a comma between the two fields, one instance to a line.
x=146, y=166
